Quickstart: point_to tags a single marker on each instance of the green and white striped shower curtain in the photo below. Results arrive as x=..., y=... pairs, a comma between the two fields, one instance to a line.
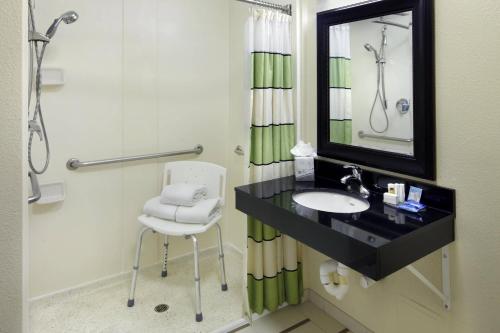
x=340, y=85
x=274, y=274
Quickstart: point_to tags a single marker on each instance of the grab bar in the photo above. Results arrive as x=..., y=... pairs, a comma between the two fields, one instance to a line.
x=35, y=188
x=362, y=135
x=74, y=163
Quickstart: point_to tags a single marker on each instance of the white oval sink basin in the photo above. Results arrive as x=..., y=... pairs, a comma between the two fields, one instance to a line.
x=333, y=202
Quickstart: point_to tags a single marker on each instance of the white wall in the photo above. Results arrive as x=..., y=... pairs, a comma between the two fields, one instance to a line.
x=141, y=77
x=13, y=171
x=398, y=84
x=239, y=120
x=467, y=83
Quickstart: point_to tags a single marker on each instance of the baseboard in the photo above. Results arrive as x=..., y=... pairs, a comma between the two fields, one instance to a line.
x=116, y=278
x=309, y=295
x=233, y=247
x=266, y=312
x=352, y=324
x=232, y=326
x=105, y=281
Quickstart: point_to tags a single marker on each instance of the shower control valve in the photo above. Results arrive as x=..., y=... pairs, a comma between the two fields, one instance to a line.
x=403, y=106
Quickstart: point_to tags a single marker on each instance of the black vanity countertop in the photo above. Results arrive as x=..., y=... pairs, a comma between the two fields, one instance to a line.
x=376, y=242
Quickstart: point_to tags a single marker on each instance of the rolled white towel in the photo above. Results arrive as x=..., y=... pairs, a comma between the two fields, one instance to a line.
x=334, y=277
x=154, y=207
x=203, y=212
x=183, y=194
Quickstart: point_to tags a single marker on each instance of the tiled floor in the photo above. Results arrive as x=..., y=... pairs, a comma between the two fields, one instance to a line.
x=103, y=308
x=304, y=318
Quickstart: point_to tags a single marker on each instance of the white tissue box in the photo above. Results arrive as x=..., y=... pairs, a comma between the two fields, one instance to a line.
x=304, y=169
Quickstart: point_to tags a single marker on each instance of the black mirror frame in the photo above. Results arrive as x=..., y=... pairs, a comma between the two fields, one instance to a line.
x=423, y=163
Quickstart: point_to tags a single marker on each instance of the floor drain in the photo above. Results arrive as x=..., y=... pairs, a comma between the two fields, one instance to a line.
x=161, y=308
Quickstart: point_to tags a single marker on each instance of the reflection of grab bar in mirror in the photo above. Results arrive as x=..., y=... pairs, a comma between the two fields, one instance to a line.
x=363, y=135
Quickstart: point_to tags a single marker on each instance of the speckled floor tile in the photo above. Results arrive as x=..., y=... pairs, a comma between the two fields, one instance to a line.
x=103, y=308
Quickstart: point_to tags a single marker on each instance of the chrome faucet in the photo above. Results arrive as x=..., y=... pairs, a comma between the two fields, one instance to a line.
x=356, y=175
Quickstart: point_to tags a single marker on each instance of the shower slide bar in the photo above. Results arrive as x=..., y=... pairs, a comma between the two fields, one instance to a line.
x=287, y=9
x=363, y=135
x=74, y=163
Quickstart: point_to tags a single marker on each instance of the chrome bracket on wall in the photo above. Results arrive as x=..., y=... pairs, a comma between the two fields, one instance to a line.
x=35, y=188
x=445, y=293
x=239, y=150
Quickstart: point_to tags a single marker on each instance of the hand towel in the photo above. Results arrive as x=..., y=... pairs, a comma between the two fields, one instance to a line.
x=203, y=212
x=153, y=207
x=183, y=194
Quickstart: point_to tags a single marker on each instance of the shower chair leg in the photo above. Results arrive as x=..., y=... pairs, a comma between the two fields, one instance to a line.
x=165, y=256
x=199, y=315
x=221, y=259
x=131, y=296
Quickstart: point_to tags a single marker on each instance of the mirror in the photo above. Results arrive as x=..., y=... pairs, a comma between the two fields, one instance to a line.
x=376, y=85
x=371, y=84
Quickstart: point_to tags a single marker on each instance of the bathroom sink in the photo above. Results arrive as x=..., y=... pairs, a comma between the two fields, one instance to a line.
x=330, y=201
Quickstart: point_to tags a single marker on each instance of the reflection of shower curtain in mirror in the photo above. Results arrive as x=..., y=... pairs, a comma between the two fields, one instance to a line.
x=340, y=85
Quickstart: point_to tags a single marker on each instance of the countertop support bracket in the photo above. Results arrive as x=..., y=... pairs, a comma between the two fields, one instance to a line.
x=445, y=293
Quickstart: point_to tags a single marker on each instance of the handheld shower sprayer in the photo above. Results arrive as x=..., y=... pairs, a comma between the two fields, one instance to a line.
x=68, y=18
x=36, y=124
x=370, y=48
x=380, y=94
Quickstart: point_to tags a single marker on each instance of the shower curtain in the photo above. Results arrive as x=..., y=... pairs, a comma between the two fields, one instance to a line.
x=340, y=85
x=274, y=274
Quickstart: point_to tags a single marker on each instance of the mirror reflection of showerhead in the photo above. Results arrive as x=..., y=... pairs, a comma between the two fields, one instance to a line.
x=370, y=48
x=68, y=18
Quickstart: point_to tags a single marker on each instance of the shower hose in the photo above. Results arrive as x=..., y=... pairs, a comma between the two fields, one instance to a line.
x=37, y=114
x=380, y=95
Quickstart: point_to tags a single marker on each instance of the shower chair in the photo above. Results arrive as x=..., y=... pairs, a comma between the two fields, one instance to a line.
x=214, y=178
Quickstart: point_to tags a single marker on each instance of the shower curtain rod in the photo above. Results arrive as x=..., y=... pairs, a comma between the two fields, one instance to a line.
x=287, y=9
x=407, y=27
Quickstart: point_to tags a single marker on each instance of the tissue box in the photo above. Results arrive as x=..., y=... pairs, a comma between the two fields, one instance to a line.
x=304, y=169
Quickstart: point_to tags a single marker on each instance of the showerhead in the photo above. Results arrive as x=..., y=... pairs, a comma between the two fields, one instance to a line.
x=68, y=18
x=370, y=48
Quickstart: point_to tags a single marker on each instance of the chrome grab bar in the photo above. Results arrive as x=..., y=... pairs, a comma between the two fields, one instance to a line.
x=35, y=188
x=74, y=163
x=362, y=135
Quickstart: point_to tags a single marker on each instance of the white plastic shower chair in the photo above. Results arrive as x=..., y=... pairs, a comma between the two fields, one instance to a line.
x=214, y=178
